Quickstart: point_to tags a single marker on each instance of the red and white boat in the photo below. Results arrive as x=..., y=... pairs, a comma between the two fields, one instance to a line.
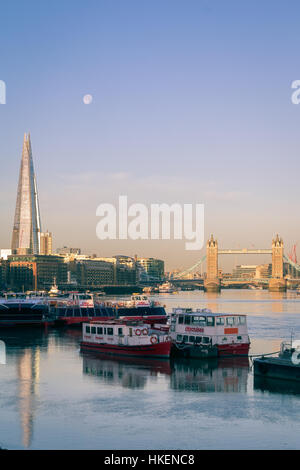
x=226, y=332
x=79, y=308
x=126, y=338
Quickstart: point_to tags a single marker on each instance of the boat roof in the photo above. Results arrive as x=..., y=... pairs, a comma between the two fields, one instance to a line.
x=204, y=312
x=115, y=322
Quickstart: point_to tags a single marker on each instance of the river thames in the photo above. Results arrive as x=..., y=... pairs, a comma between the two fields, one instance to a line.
x=53, y=397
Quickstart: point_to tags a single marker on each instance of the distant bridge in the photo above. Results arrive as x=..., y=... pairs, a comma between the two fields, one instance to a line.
x=211, y=257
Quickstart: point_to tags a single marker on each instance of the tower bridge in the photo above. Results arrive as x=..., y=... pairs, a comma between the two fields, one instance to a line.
x=212, y=282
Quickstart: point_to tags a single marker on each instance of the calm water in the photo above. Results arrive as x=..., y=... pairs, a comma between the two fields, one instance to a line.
x=52, y=397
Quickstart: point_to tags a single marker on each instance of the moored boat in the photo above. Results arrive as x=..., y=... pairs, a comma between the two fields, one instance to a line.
x=125, y=338
x=201, y=333
x=285, y=366
x=21, y=309
x=79, y=308
x=166, y=288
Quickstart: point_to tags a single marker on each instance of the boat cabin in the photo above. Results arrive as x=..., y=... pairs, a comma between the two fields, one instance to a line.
x=80, y=300
x=139, y=300
x=201, y=326
x=122, y=332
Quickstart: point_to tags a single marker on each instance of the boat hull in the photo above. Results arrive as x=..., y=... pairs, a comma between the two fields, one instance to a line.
x=161, y=350
x=276, y=369
x=240, y=349
x=76, y=317
x=194, y=351
x=12, y=315
x=77, y=321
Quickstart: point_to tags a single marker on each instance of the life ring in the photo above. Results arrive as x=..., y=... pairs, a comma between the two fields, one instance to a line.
x=154, y=339
x=145, y=331
x=138, y=332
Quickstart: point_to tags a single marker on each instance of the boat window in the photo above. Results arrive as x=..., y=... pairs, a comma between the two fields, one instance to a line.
x=229, y=321
x=187, y=320
x=88, y=329
x=105, y=331
x=239, y=338
x=210, y=321
x=110, y=331
x=93, y=330
x=120, y=331
x=220, y=321
x=180, y=319
x=100, y=330
x=192, y=339
x=242, y=320
x=199, y=320
x=206, y=340
x=179, y=337
x=185, y=338
x=198, y=339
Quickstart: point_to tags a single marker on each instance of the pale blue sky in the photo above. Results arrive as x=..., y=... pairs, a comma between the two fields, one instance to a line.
x=191, y=103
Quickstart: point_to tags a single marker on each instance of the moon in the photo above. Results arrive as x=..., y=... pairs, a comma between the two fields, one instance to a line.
x=87, y=99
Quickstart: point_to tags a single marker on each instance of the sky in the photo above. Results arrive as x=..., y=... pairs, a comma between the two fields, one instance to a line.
x=191, y=104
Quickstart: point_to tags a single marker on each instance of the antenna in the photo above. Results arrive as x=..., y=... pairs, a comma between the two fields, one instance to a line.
x=292, y=335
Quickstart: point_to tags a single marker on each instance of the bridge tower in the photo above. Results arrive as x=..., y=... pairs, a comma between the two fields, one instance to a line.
x=277, y=282
x=212, y=281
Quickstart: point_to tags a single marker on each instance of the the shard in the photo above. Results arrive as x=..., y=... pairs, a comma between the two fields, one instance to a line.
x=27, y=224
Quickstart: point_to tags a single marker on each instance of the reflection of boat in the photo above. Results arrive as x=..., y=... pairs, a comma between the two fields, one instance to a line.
x=196, y=333
x=126, y=371
x=125, y=337
x=213, y=375
x=285, y=366
x=20, y=309
x=276, y=385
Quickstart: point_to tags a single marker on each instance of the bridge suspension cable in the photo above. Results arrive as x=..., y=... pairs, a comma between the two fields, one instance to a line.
x=192, y=268
x=294, y=265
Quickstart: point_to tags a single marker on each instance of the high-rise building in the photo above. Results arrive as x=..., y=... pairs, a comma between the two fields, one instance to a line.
x=27, y=224
x=150, y=269
x=46, y=243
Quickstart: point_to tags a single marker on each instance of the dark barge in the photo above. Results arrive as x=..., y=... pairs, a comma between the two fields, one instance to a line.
x=286, y=366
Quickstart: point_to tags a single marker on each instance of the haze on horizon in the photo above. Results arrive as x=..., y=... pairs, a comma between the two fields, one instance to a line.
x=191, y=103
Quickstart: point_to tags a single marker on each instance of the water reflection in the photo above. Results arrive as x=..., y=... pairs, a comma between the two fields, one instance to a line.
x=213, y=375
x=277, y=307
x=276, y=386
x=28, y=366
x=127, y=372
x=212, y=301
x=25, y=345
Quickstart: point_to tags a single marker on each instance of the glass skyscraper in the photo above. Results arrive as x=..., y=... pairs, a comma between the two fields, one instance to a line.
x=27, y=224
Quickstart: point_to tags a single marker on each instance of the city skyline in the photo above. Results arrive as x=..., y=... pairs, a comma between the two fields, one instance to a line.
x=27, y=213
x=204, y=116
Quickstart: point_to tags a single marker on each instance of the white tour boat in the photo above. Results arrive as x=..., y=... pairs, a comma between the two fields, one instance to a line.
x=225, y=333
x=126, y=338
